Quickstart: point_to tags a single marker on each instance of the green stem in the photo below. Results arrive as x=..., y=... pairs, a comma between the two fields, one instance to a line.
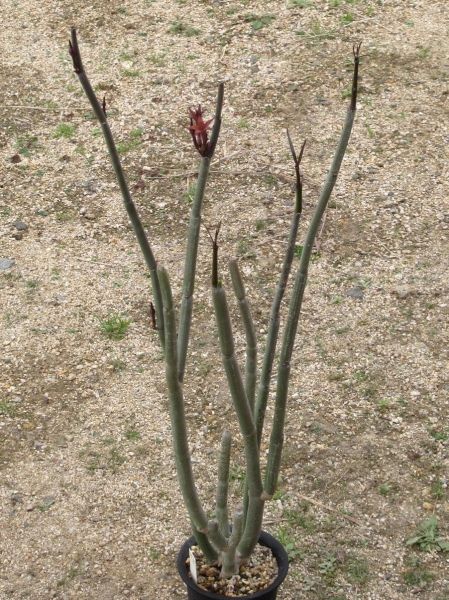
x=203, y=542
x=250, y=332
x=277, y=432
x=218, y=540
x=121, y=179
x=221, y=507
x=177, y=413
x=245, y=418
x=273, y=330
x=185, y=315
x=230, y=560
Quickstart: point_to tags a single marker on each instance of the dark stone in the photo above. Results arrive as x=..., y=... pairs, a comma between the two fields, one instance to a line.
x=356, y=292
x=20, y=225
x=16, y=498
x=47, y=502
x=6, y=263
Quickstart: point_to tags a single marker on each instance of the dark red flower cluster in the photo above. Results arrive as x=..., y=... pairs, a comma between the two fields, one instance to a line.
x=198, y=129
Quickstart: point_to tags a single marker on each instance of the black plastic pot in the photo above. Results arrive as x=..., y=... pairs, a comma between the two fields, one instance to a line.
x=194, y=592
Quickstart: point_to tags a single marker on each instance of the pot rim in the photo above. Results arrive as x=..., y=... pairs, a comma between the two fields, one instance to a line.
x=265, y=539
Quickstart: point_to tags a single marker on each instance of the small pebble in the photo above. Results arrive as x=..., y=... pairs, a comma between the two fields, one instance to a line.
x=20, y=225
x=6, y=263
x=356, y=292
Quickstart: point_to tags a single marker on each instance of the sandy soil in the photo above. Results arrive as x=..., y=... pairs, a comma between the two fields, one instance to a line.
x=90, y=506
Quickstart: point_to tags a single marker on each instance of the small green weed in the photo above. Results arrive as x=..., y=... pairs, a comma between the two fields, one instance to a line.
x=189, y=194
x=423, y=52
x=63, y=216
x=300, y=518
x=154, y=553
x=427, y=537
x=243, y=123
x=64, y=130
x=127, y=56
x=386, y=489
x=117, y=365
x=5, y=211
x=328, y=567
x=384, y=405
x=244, y=248
x=360, y=375
x=259, y=22
x=298, y=250
x=298, y=3
x=157, y=59
x=26, y=144
x=115, y=459
x=415, y=574
x=270, y=180
x=134, y=141
x=347, y=18
x=131, y=73
x=180, y=28
x=418, y=577
x=279, y=494
x=439, y=435
x=357, y=570
x=115, y=327
x=237, y=473
x=132, y=435
x=317, y=31
x=32, y=284
x=7, y=409
x=288, y=541
x=438, y=490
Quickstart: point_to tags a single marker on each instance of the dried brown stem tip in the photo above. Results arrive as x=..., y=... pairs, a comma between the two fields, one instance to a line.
x=199, y=130
x=75, y=53
x=214, y=240
x=153, y=316
x=356, y=52
x=297, y=160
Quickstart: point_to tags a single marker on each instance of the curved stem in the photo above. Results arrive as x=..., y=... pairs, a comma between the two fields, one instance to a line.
x=250, y=333
x=177, y=413
x=277, y=432
x=130, y=207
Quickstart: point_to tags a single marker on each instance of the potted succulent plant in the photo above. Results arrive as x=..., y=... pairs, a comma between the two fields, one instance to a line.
x=231, y=555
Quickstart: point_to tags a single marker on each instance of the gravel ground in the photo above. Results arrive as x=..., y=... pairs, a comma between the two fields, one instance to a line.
x=90, y=506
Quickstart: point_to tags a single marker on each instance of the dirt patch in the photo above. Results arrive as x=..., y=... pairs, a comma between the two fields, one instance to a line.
x=90, y=505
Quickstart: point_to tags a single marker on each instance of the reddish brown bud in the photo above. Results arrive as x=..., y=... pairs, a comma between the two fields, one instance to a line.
x=198, y=129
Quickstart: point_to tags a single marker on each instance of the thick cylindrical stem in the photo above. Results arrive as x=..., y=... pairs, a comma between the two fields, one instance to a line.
x=250, y=332
x=244, y=414
x=185, y=316
x=203, y=542
x=277, y=432
x=177, y=414
x=121, y=180
x=221, y=507
x=273, y=329
x=231, y=561
x=218, y=540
